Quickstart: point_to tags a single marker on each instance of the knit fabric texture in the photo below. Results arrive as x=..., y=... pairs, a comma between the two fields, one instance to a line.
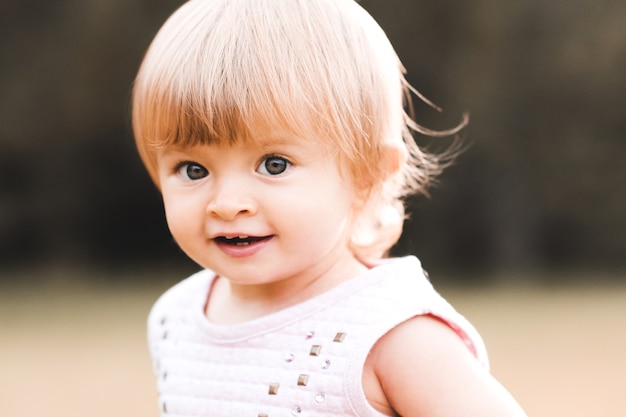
x=306, y=360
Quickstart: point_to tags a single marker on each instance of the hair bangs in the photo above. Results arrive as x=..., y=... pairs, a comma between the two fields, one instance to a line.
x=222, y=71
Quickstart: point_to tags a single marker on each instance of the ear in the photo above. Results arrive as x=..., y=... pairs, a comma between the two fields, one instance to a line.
x=394, y=156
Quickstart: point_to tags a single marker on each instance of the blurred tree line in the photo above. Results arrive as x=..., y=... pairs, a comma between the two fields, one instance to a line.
x=541, y=186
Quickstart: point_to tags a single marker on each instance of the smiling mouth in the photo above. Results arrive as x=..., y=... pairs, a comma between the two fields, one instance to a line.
x=241, y=240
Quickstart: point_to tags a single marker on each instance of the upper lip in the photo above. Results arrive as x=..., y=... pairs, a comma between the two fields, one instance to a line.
x=238, y=235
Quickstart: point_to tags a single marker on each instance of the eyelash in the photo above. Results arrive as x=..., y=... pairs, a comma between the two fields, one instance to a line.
x=266, y=158
x=182, y=164
x=176, y=170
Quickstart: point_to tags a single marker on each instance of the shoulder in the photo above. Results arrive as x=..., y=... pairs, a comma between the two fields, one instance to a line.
x=181, y=292
x=424, y=369
x=176, y=300
x=410, y=288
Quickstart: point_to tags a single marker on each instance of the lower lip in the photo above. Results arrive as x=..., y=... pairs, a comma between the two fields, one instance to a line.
x=243, y=251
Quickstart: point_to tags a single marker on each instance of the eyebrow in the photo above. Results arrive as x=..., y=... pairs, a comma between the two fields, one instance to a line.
x=171, y=149
x=291, y=139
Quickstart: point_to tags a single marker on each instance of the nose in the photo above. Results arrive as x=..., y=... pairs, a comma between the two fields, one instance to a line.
x=230, y=201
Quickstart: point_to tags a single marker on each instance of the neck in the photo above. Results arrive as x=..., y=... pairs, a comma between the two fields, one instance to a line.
x=233, y=303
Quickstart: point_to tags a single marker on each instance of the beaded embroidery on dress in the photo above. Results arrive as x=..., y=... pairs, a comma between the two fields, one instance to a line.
x=305, y=360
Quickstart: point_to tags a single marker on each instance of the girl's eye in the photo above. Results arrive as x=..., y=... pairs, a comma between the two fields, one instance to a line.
x=273, y=165
x=191, y=171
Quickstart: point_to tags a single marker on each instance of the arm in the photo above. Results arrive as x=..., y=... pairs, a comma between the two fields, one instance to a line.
x=422, y=368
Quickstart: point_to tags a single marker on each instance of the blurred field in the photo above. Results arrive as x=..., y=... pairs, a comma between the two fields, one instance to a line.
x=81, y=352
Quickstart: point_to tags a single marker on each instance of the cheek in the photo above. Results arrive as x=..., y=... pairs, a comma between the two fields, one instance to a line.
x=330, y=209
x=174, y=222
x=179, y=216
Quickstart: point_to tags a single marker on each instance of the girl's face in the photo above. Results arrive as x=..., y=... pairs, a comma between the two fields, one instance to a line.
x=259, y=214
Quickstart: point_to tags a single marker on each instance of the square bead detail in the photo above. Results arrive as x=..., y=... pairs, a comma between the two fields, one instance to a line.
x=273, y=389
x=339, y=337
x=315, y=350
x=303, y=380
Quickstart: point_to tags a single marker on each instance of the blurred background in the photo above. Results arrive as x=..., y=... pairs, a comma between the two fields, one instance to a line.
x=525, y=233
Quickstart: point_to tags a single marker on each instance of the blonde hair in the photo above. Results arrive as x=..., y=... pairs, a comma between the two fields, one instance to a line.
x=227, y=70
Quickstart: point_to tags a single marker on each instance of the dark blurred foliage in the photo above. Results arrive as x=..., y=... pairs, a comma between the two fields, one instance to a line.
x=542, y=185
